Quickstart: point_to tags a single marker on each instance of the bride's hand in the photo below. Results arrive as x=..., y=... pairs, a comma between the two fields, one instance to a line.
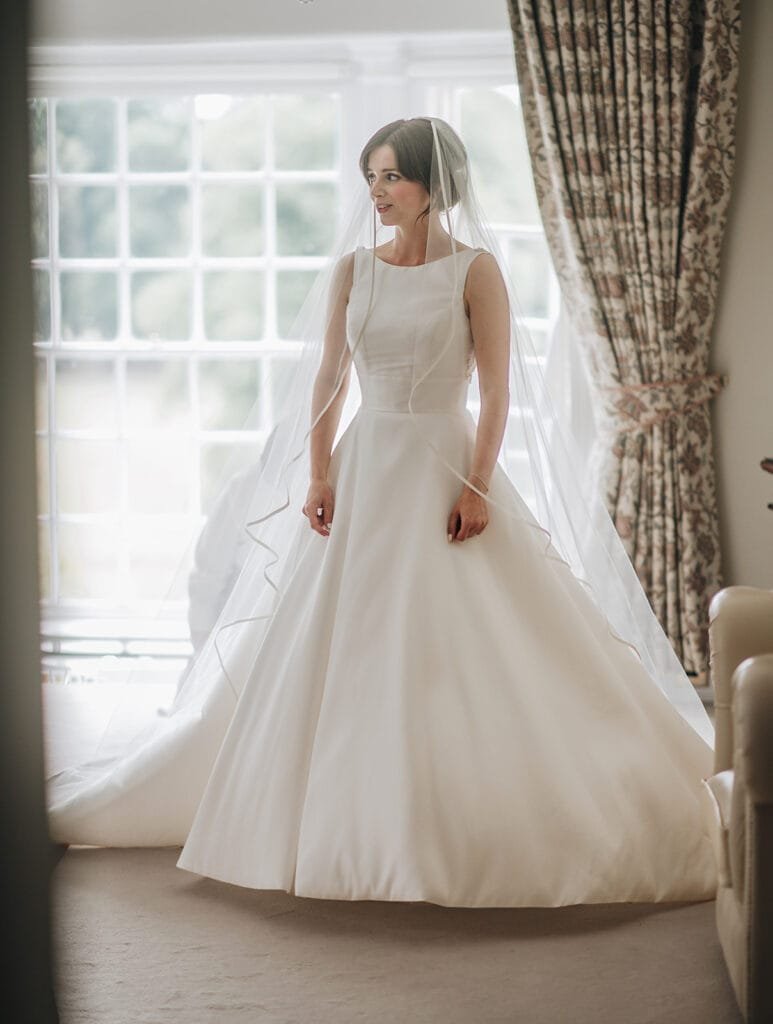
x=468, y=517
x=319, y=495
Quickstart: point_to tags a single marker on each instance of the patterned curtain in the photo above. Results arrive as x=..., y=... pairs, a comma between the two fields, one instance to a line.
x=630, y=118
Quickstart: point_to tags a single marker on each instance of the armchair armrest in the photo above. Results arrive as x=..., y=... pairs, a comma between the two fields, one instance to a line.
x=740, y=626
x=753, y=701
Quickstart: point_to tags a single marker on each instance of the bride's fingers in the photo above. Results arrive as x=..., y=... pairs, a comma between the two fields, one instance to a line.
x=453, y=524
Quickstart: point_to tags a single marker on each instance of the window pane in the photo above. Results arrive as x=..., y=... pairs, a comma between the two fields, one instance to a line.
x=492, y=128
x=232, y=132
x=87, y=220
x=227, y=392
x=41, y=394
x=87, y=476
x=156, y=550
x=44, y=560
x=85, y=135
x=530, y=272
x=157, y=396
x=86, y=397
x=44, y=495
x=88, y=561
x=159, y=217
x=89, y=305
x=292, y=287
x=233, y=305
x=515, y=436
x=159, y=134
x=232, y=220
x=305, y=132
x=41, y=296
x=38, y=121
x=279, y=375
x=161, y=305
x=218, y=463
x=39, y=219
x=306, y=216
x=539, y=337
x=159, y=475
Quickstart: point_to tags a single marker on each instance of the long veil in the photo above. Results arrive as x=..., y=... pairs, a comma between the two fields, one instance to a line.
x=257, y=533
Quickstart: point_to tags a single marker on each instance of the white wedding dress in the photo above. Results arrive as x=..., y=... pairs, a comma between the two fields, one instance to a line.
x=451, y=723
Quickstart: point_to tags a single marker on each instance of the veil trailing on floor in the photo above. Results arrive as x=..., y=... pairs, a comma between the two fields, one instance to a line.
x=248, y=549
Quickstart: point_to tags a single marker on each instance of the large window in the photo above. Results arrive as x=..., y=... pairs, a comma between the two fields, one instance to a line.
x=176, y=232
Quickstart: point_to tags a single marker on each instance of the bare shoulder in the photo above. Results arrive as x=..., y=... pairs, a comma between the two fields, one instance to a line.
x=484, y=281
x=343, y=277
x=345, y=265
x=484, y=267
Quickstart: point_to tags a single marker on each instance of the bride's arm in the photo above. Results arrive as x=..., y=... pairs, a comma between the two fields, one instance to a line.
x=323, y=434
x=320, y=493
x=489, y=312
x=488, y=308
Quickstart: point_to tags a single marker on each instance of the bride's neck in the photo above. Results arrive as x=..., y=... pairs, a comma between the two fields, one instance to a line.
x=426, y=243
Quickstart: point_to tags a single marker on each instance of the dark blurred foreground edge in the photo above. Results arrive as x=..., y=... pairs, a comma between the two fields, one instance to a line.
x=26, y=996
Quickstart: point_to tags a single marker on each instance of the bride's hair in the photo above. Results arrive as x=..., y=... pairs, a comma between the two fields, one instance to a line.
x=414, y=149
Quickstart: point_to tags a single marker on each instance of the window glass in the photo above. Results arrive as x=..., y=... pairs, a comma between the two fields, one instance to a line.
x=530, y=270
x=85, y=135
x=87, y=476
x=492, y=128
x=227, y=392
x=305, y=218
x=89, y=305
x=305, y=132
x=159, y=134
x=219, y=462
x=159, y=549
x=232, y=220
x=39, y=219
x=232, y=131
x=88, y=561
x=86, y=395
x=41, y=304
x=233, y=305
x=292, y=288
x=87, y=221
x=161, y=304
x=157, y=396
x=159, y=220
x=159, y=475
x=38, y=121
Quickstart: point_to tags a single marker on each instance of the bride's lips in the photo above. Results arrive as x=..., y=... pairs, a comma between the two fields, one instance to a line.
x=384, y=207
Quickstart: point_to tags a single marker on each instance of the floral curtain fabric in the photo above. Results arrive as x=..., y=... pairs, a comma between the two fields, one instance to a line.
x=630, y=118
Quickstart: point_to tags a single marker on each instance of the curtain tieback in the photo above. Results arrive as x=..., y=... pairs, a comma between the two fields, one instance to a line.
x=636, y=407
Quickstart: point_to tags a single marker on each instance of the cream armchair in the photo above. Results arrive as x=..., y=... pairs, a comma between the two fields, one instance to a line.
x=739, y=796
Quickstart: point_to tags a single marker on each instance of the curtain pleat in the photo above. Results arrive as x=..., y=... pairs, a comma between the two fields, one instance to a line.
x=629, y=110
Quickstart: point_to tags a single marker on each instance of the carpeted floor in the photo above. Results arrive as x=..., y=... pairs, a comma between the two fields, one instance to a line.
x=140, y=941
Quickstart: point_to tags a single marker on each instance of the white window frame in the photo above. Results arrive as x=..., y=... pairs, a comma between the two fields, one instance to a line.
x=379, y=78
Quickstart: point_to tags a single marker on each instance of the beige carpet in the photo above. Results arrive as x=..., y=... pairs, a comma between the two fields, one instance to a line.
x=139, y=941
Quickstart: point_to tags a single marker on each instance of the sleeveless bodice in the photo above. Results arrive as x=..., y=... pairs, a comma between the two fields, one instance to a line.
x=416, y=314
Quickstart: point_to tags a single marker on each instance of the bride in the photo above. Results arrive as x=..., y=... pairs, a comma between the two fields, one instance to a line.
x=434, y=686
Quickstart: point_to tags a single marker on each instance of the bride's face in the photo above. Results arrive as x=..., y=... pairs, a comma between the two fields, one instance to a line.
x=398, y=201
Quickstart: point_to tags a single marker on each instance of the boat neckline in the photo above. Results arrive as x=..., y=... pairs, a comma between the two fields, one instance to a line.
x=416, y=266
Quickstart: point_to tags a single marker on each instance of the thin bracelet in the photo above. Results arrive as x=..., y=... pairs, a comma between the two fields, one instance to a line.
x=485, y=485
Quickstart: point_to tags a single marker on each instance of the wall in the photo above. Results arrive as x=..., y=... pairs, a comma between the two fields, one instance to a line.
x=743, y=332
x=108, y=21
